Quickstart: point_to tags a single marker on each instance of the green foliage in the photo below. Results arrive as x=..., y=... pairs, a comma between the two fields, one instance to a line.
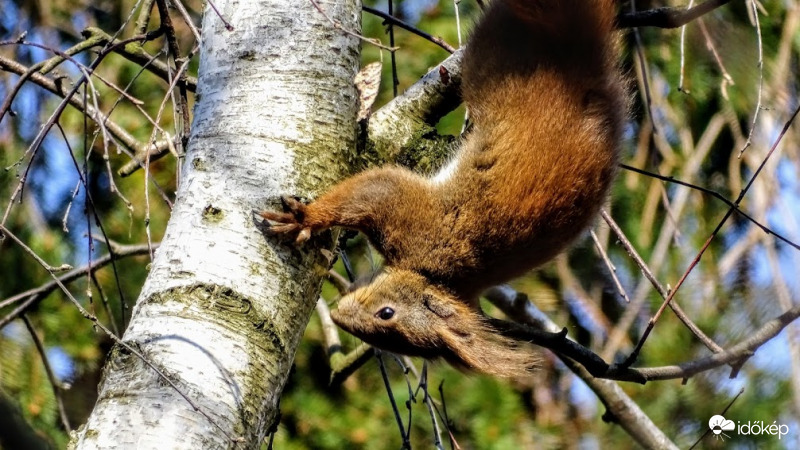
x=735, y=289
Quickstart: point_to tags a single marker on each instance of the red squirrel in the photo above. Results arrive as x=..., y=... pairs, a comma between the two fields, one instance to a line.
x=547, y=102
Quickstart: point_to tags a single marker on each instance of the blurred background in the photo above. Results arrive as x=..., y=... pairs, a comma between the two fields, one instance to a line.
x=709, y=101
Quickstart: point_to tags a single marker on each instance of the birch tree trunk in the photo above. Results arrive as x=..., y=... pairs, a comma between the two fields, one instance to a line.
x=223, y=308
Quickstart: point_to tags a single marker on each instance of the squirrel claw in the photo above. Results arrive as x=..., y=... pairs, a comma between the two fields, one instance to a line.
x=294, y=207
x=280, y=217
x=284, y=228
x=289, y=221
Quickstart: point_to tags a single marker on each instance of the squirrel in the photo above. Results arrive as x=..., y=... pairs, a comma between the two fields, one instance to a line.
x=547, y=102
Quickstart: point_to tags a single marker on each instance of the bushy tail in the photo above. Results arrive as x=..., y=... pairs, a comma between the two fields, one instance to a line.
x=515, y=37
x=594, y=18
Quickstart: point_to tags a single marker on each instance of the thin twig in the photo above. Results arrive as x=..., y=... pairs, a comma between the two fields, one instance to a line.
x=741, y=391
x=426, y=399
x=144, y=16
x=393, y=55
x=611, y=269
x=667, y=17
x=120, y=134
x=68, y=98
x=31, y=296
x=178, y=4
x=38, y=68
x=394, y=20
x=716, y=195
x=135, y=53
x=91, y=202
x=346, y=365
x=733, y=355
x=228, y=26
x=412, y=398
x=181, y=102
x=54, y=383
x=5, y=231
x=342, y=366
x=330, y=333
x=446, y=418
x=626, y=244
x=341, y=283
x=635, y=354
x=683, y=54
x=726, y=77
x=642, y=75
x=749, y=141
x=105, y=303
x=397, y=418
x=516, y=305
x=338, y=25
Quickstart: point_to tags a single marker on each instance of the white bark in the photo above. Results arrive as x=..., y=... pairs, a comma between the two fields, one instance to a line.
x=393, y=128
x=224, y=307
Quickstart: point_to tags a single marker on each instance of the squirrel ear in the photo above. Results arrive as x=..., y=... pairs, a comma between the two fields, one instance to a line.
x=437, y=307
x=485, y=350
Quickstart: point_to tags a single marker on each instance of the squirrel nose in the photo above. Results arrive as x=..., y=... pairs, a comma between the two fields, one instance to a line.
x=345, y=313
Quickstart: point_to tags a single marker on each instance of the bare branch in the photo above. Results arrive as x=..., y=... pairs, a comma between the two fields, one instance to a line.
x=626, y=244
x=32, y=296
x=134, y=52
x=395, y=21
x=6, y=233
x=516, y=306
x=120, y=134
x=342, y=366
x=57, y=389
x=667, y=17
x=754, y=13
x=716, y=195
x=181, y=101
x=612, y=270
x=734, y=355
x=632, y=357
x=620, y=408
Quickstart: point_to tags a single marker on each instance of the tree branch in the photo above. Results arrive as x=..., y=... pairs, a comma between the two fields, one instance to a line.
x=735, y=354
x=667, y=17
x=342, y=365
x=395, y=21
x=134, y=52
x=620, y=408
x=402, y=130
x=651, y=324
x=543, y=332
x=58, y=88
x=626, y=244
x=33, y=296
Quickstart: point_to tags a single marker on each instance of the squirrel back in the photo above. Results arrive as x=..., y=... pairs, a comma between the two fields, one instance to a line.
x=542, y=86
x=547, y=102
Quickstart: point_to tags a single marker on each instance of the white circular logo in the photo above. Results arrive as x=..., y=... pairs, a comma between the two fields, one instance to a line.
x=718, y=424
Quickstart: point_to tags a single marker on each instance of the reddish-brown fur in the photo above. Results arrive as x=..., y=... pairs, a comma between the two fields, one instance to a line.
x=541, y=83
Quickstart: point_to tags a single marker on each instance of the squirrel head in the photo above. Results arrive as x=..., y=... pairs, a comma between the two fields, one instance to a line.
x=402, y=312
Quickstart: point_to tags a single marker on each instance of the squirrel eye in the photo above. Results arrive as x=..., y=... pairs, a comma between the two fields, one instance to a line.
x=385, y=313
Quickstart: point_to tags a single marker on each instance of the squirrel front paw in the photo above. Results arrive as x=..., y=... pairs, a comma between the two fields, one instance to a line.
x=292, y=220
